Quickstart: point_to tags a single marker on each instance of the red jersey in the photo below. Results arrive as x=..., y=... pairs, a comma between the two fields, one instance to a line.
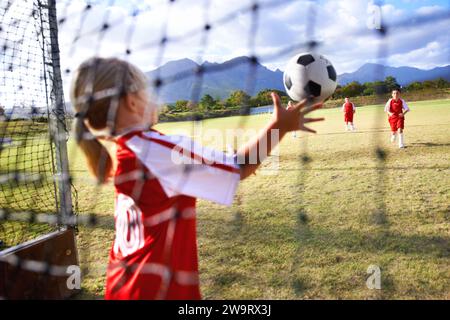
x=348, y=107
x=396, y=106
x=157, y=181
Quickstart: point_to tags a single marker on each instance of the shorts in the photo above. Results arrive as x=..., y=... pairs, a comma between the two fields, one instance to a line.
x=348, y=117
x=396, y=123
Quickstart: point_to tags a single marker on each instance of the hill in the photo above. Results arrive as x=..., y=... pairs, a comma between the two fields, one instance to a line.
x=227, y=77
x=405, y=75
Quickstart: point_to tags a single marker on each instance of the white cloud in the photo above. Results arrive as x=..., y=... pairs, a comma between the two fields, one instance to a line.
x=426, y=10
x=421, y=57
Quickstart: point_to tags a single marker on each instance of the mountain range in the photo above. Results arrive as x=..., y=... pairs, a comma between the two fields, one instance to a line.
x=404, y=75
x=220, y=79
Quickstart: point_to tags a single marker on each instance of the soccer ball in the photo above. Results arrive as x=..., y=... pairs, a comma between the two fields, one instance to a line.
x=309, y=75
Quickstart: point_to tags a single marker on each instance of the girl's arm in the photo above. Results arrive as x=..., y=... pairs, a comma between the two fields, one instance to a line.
x=284, y=120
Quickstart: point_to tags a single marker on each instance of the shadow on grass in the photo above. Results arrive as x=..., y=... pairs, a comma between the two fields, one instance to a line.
x=323, y=239
x=325, y=243
x=380, y=242
x=238, y=222
x=227, y=279
x=378, y=217
x=300, y=285
x=87, y=295
x=429, y=144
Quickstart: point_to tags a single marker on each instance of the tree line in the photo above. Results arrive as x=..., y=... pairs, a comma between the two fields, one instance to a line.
x=210, y=107
x=236, y=99
x=356, y=89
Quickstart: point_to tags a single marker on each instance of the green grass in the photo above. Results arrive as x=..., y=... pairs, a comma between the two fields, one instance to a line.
x=311, y=230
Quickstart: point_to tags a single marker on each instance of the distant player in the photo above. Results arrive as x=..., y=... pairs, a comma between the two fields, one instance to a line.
x=396, y=108
x=349, y=110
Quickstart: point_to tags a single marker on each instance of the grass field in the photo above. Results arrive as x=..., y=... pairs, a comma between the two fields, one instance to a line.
x=311, y=230
x=26, y=149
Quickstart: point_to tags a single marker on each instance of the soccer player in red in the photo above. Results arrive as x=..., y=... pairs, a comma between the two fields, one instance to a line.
x=396, y=108
x=349, y=110
x=158, y=178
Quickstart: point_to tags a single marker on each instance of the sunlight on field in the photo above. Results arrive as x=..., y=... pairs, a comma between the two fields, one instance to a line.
x=311, y=230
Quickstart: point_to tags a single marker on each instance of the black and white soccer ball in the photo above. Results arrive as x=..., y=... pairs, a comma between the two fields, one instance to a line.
x=309, y=75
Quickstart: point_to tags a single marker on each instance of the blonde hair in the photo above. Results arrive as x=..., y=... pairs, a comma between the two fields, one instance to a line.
x=98, y=86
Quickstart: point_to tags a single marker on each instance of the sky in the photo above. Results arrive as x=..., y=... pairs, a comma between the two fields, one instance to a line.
x=281, y=26
x=344, y=30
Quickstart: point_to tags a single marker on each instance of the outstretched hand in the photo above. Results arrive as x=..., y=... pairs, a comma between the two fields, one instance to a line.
x=292, y=118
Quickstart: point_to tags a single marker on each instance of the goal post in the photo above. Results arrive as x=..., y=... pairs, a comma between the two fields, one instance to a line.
x=60, y=136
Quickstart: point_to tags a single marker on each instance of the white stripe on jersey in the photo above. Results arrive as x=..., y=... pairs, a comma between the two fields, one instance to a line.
x=196, y=179
x=209, y=154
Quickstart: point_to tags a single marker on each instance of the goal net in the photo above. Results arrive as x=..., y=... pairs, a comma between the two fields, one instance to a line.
x=33, y=160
